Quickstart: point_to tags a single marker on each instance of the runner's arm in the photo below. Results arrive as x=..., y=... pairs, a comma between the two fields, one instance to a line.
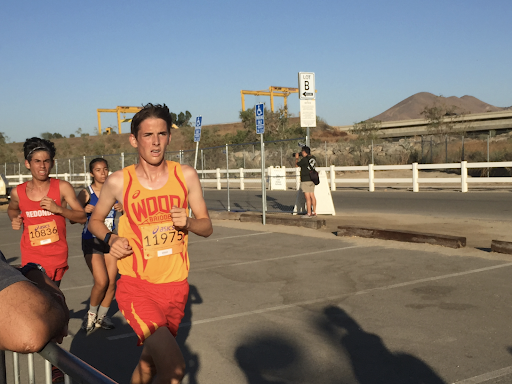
x=13, y=210
x=31, y=317
x=75, y=212
x=201, y=224
x=111, y=191
x=82, y=198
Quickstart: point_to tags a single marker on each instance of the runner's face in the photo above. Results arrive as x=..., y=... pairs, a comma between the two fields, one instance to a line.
x=40, y=165
x=100, y=172
x=151, y=140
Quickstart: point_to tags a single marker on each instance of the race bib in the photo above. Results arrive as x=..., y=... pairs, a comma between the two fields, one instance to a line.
x=109, y=222
x=42, y=234
x=161, y=239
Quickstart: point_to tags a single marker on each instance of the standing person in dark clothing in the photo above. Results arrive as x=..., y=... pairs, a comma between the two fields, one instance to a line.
x=306, y=164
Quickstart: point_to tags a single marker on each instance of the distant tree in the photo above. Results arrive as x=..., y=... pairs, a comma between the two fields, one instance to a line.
x=49, y=136
x=366, y=132
x=7, y=155
x=182, y=120
x=72, y=135
x=3, y=138
x=444, y=119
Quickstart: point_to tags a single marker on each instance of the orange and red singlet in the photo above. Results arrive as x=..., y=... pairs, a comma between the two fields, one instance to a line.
x=44, y=234
x=160, y=253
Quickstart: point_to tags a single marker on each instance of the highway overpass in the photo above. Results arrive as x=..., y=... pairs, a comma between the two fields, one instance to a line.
x=501, y=120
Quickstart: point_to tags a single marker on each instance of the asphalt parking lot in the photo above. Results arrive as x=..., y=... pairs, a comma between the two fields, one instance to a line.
x=290, y=305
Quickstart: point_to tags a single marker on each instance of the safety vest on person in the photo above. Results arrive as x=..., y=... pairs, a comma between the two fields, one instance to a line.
x=44, y=234
x=109, y=220
x=160, y=252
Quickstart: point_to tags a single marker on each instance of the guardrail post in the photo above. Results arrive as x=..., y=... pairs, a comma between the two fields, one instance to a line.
x=242, y=186
x=332, y=176
x=270, y=175
x=297, y=178
x=415, y=176
x=86, y=179
x=464, y=176
x=122, y=160
x=218, y=178
x=31, y=372
x=371, y=177
x=16, y=367
x=3, y=370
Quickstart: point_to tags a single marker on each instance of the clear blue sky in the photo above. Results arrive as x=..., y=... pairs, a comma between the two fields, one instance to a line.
x=61, y=60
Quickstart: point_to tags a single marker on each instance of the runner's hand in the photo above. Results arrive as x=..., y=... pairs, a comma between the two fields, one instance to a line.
x=49, y=205
x=118, y=207
x=179, y=218
x=89, y=208
x=120, y=247
x=17, y=222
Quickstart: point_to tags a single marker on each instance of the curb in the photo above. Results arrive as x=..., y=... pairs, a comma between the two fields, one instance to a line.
x=294, y=221
x=501, y=246
x=224, y=215
x=405, y=236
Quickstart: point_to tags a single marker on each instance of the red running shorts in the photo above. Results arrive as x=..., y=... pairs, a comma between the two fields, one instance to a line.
x=147, y=306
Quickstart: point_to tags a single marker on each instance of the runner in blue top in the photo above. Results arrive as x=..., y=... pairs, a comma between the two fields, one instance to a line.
x=96, y=252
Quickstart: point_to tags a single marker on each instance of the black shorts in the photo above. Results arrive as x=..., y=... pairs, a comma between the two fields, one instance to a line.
x=90, y=246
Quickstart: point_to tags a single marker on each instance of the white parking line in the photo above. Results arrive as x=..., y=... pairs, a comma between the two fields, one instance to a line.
x=73, y=288
x=486, y=376
x=278, y=258
x=231, y=237
x=338, y=297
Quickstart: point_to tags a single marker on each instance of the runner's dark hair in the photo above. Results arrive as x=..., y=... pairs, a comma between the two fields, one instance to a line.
x=97, y=160
x=157, y=111
x=34, y=144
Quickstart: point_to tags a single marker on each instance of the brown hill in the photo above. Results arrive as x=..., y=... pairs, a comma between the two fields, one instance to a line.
x=411, y=107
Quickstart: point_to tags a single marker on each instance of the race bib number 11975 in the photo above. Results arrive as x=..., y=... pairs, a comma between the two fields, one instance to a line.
x=161, y=240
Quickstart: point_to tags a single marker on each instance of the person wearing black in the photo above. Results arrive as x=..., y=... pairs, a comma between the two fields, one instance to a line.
x=34, y=310
x=306, y=164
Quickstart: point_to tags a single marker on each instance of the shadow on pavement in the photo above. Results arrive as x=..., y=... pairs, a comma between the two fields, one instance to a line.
x=276, y=358
x=371, y=361
x=269, y=359
x=116, y=358
x=191, y=358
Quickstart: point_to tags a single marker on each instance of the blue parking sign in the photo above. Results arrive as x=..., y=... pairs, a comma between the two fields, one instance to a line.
x=260, y=118
x=197, y=130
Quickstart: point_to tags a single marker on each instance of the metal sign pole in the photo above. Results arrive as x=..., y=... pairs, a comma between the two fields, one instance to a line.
x=227, y=176
x=195, y=160
x=263, y=186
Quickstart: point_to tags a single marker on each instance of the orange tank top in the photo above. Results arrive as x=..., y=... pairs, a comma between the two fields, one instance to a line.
x=160, y=252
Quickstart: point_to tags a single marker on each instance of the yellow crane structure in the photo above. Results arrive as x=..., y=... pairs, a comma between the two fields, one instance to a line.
x=117, y=110
x=283, y=92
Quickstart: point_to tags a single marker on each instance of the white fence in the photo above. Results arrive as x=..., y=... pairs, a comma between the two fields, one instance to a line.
x=238, y=177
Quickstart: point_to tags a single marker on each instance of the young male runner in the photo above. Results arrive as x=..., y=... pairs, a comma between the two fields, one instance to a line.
x=152, y=242
x=39, y=206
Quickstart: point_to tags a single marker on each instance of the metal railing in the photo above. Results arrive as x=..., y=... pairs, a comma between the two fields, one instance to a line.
x=75, y=370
